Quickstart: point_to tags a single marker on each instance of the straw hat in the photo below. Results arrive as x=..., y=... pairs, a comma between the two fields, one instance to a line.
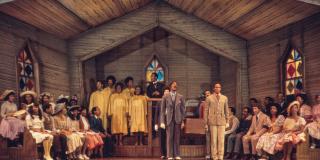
x=45, y=94
x=32, y=93
x=6, y=93
x=74, y=107
x=291, y=105
x=59, y=107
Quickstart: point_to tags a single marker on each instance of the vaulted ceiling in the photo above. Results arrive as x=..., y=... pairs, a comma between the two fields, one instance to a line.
x=246, y=18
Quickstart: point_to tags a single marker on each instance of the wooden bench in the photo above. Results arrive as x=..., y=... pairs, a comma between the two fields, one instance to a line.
x=305, y=153
x=28, y=151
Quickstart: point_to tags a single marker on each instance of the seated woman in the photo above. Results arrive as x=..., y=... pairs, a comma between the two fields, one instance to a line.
x=138, y=114
x=305, y=110
x=313, y=128
x=96, y=126
x=36, y=126
x=27, y=98
x=267, y=141
x=293, y=131
x=118, y=110
x=93, y=139
x=59, y=140
x=60, y=123
x=73, y=124
x=12, y=124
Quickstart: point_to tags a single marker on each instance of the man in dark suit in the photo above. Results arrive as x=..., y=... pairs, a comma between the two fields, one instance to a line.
x=172, y=115
x=155, y=90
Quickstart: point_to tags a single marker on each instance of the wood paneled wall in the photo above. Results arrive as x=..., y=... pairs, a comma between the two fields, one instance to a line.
x=49, y=51
x=114, y=33
x=265, y=53
x=192, y=66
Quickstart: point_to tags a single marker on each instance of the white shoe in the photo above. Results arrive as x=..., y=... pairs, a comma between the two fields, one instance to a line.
x=80, y=157
x=86, y=157
x=177, y=158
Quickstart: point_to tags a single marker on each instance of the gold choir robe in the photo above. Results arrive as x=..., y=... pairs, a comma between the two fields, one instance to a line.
x=100, y=99
x=128, y=92
x=118, y=107
x=138, y=113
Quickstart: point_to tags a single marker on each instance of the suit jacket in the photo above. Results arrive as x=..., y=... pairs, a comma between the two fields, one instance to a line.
x=168, y=106
x=258, y=127
x=96, y=124
x=216, y=111
x=155, y=87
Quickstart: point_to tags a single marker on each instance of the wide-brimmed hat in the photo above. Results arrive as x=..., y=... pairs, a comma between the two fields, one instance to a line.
x=291, y=105
x=19, y=113
x=59, y=107
x=45, y=94
x=74, y=107
x=6, y=93
x=32, y=93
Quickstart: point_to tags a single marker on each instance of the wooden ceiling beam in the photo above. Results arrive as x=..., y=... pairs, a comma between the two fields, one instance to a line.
x=87, y=24
x=236, y=21
x=314, y=2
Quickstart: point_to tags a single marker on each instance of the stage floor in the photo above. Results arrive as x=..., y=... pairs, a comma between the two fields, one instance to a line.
x=153, y=158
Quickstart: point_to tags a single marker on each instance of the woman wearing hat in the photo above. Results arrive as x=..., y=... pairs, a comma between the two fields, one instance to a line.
x=61, y=125
x=8, y=107
x=36, y=126
x=27, y=98
x=293, y=128
x=73, y=123
x=11, y=126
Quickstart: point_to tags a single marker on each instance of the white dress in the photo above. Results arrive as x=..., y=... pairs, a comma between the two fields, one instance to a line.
x=37, y=123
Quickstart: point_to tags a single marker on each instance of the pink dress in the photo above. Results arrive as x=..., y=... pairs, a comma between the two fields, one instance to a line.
x=10, y=127
x=291, y=125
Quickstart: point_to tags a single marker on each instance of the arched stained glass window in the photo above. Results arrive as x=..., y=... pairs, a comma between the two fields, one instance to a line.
x=155, y=66
x=25, y=70
x=294, y=72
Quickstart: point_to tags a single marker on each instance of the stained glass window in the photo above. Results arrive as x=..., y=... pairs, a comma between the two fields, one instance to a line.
x=155, y=66
x=293, y=72
x=25, y=69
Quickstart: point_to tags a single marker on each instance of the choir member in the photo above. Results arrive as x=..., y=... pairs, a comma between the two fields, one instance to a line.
x=138, y=114
x=118, y=110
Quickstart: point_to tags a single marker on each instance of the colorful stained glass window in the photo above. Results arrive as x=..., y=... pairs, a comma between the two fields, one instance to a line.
x=294, y=72
x=25, y=69
x=155, y=66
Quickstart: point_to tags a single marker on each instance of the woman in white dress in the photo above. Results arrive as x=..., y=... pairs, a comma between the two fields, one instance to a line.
x=36, y=126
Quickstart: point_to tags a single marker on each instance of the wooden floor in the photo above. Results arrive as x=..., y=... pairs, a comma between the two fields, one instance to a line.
x=123, y=158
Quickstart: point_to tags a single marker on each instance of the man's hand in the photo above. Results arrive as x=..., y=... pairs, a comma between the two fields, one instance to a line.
x=206, y=127
x=182, y=125
x=227, y=125
x=163, y=126
x=156, y=127
x=156, y=93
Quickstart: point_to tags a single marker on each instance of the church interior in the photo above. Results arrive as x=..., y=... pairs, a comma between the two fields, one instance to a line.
x=263, y=53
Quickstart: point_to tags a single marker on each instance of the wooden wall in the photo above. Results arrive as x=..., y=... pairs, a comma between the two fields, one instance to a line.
x=119, y=31
x=192, y=66
x=265, y=53
x=49, y=51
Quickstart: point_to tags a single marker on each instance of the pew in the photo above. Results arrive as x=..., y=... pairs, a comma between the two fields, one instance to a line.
x=305, y=153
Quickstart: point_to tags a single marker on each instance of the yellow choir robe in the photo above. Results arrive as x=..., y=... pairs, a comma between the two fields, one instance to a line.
x=118, y=107
x=138, y=112
x=98, y=99
x=128, y=92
